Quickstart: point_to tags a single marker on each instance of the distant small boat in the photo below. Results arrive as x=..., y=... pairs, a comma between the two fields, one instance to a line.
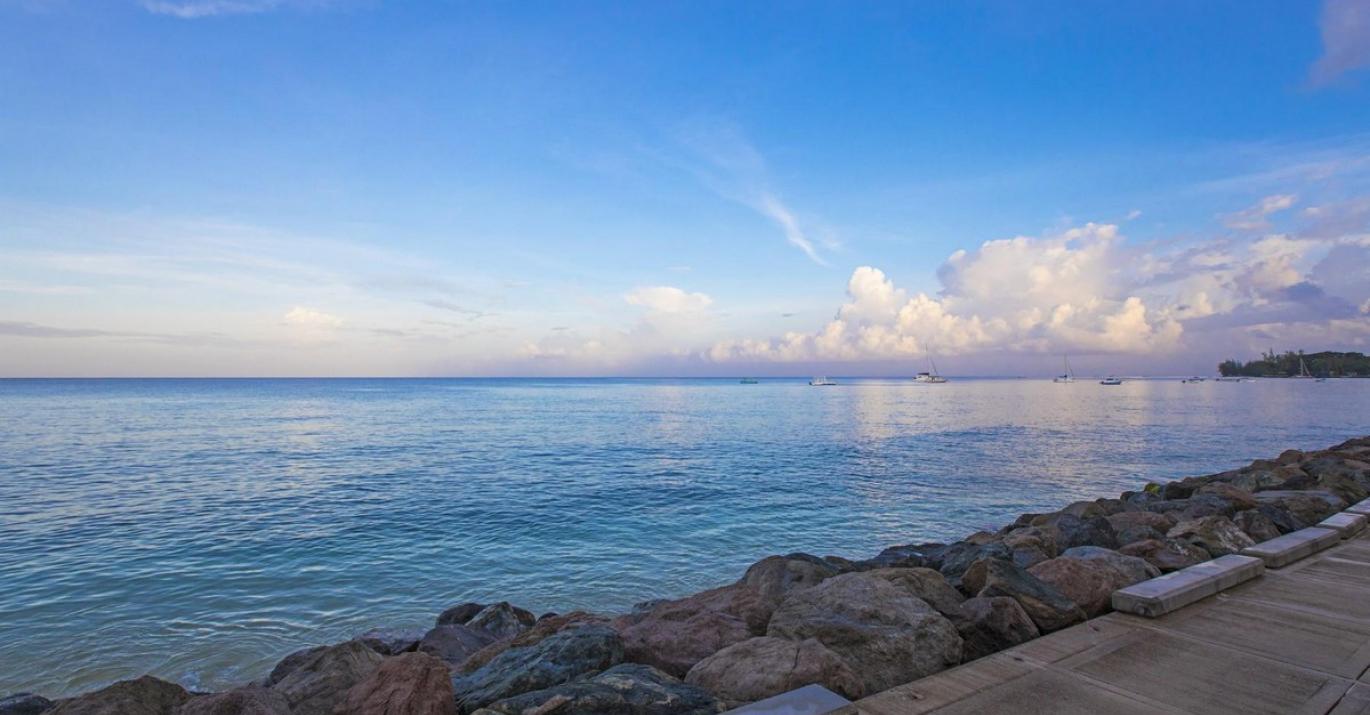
x=1320, y=379
x=1111, y=380
x=1068, y=375
x=1231, y=379
x=748, y=381
x=821, y=382
x=1192, y=379
x=931, y=376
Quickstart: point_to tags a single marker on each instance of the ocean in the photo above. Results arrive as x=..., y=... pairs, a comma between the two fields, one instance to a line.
x=199, y=530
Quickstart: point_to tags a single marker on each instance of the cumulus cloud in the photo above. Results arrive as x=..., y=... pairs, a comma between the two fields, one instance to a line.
x=1085, y=291
x=1345, y=28
x=668, y=299
x=1256, y=218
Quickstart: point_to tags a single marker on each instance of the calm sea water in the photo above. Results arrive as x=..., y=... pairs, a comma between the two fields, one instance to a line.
x=200, y=529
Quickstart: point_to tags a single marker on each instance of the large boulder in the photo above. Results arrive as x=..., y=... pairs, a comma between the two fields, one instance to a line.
x=926, y=584
x=391, y=641
x=1283, y=519
x=1090, y=580
x=1072, y=530
x=1166, y=554
x=1215, y=534
x=628, y=689
x=321, y=681
x=569, y=655
x=1256, y=525
x=959, y=556
x=287, y=665
x=773, y=577
x=142, y=696
x=244, y=701
x=887, y=635
x=453, y=643
x=24, y=704
x=908, y=556
x=1239, y=498
x=407, y=684
x=1048, y=608
x=459, y=614
x=989, y=625
x=1130, y=526
x=1309, y=507
x=542, y=629
x=1131, y=568
x=1031, y=544
x=758, y=668
x=674, y=635
x=501, y=620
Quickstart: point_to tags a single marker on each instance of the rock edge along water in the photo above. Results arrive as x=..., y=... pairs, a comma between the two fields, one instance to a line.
x=849, y=626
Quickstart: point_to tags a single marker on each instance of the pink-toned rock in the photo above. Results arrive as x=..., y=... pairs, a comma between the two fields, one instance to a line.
x=1240, y=498
x=321, y=682
x=758, y=668
x=1089, y=583
x=1215, y=534
x=674, y=635
x=407, y=684
x=989, y=625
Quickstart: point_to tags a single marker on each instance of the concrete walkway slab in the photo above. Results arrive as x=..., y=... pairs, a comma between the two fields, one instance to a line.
x=1175, y=590
x=1346, y=523
x=1355, y=702
x=808, y=700
x=1284, y=550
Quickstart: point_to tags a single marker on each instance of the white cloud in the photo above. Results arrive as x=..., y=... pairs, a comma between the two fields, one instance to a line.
x=1345, y=40
x=311, y=319
x=668, y=299
x=1255, y=217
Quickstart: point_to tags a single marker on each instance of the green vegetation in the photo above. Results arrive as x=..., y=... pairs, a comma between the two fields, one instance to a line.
x=1323, y=364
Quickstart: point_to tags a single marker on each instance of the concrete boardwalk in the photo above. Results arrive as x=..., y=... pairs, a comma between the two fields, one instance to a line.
x=1296, y=640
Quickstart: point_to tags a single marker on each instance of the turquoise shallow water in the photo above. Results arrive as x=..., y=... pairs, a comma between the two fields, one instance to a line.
x=200, y=529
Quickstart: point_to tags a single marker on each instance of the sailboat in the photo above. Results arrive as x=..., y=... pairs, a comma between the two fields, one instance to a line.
x=821, y=382
x=1068, y=375
x=931, y=376
x=1303, y=370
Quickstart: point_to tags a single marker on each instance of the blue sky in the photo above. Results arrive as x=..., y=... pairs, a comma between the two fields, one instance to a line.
x=359, y=187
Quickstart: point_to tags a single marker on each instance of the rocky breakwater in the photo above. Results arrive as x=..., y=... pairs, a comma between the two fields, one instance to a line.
x=855, y=627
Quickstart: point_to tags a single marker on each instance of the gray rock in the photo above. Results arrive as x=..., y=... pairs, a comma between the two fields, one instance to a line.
x=959, y=556
x=407, y=684
x=884, y=633
x=545, y=627
x=1166, y=554
x=287, y=665
x=391, y=641
x=244, y=701
x=321, y=681
x=628, y=689
x=1215, y=534
x=761, y=667
x=1309, y=507
x=24, y=704
x=926, y=584
x=676, y=634
x=909, y=556
x=1256, y=525
x=1074, y=531
x=989, y=625
x=1048, y=608
x=142, y=696
x=454, y=644
x=774, y=577
x=501, y=620
x=459, y=614
x=1132, y=568
x=560, y=658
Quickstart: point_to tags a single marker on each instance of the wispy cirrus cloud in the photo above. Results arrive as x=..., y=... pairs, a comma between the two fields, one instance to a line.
x=730, y=166
x=197, y=9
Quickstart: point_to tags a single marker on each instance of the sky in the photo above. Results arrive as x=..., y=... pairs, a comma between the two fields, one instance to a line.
x=383, y=188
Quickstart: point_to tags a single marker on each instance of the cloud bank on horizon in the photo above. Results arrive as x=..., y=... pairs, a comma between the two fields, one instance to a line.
x=396, y=190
